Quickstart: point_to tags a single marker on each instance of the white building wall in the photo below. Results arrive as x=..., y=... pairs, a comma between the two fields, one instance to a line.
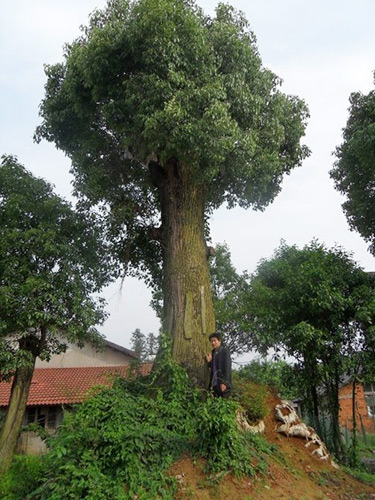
x=86, y=356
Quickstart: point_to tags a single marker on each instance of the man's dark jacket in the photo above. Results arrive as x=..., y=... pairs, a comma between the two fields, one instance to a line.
x=223, y=363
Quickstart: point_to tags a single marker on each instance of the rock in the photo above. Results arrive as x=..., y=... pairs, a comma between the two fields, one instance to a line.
x=292, y=425
x=245, y=425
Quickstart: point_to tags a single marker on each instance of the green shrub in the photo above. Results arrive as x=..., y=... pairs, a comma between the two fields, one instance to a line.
x=24, y=476
x=281, y=377
x=118, y=444
x=121, y=441
x=224, y=445
x=252, y=397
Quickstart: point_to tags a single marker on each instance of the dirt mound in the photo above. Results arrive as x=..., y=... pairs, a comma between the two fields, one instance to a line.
x=293, y=474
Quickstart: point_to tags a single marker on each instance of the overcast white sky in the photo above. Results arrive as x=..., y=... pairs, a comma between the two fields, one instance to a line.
x=322, y=49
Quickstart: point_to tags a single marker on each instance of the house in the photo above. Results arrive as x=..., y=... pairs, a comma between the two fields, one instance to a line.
x=111, y=354
x=365, y=406
x=65, y=381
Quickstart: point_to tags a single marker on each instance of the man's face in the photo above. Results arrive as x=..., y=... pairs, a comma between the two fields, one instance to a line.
x=215, y=343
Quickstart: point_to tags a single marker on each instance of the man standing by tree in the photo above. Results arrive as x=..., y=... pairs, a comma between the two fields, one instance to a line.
x=221, y=367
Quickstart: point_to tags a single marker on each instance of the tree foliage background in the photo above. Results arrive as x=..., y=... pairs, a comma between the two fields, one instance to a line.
x=316, y=305
x=354, y=169
x=52, y=266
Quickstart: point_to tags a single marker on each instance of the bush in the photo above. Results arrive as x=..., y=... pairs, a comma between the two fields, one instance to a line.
x=24, y=476
x=120, y=442
x=281, y=377
x=252, y=398
x=224, y=445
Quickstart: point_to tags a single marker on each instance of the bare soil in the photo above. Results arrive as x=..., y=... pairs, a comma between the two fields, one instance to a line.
x=298, y=475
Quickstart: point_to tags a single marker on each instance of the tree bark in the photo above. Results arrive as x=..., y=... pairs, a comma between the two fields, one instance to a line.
x=12, y=424
x=188, y=314
x=315, y=410
x=334, y=407
x=354, y=440
x=13, y=418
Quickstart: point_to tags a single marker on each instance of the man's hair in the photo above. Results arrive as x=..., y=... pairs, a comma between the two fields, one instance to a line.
x=216, y=335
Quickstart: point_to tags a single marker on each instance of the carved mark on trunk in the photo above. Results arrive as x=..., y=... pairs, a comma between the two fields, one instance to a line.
x=189, y=316
x=203, y=311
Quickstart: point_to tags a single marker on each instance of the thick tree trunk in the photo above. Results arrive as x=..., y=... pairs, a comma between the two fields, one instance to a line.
x=188, y=309
x=13, y=418
x=12, y=424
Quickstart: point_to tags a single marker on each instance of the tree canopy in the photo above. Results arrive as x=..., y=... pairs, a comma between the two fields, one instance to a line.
x=145, y=346
x=167, y=113
x=354, y=169
x=52, y=262
x=317, y=305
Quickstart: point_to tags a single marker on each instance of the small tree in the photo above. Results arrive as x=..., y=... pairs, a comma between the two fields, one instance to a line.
x=354, y=170
x=166, y=114
x=313, y=304
x=145, y=346
x=51, y=262
x=138, y=343
x=152, y=343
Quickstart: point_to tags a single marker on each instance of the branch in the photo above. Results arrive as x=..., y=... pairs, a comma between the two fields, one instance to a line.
x=155, y=233
x=157, y=173
x=210, y=251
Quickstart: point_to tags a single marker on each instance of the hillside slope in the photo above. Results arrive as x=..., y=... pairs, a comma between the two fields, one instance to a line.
x=293, y=474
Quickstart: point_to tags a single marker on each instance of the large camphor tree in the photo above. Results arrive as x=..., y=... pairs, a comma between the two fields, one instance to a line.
x=166, y=114
x=51, y=264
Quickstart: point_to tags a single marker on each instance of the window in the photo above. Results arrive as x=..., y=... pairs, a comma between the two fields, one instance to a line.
x=46, y=416
x=52, y=417
x=369, y=389
x=31, y=415
x=41, y=417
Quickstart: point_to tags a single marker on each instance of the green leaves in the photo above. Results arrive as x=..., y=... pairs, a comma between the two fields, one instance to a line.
x=316, y=305
x=229, y=291
x=158, y=79
x=308, y=293
x=354, y=169
x=224, y=445
x=279, y=376
x=51, y=264
x=120, y=443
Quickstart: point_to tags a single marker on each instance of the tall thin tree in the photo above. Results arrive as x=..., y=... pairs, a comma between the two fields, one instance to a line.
x=51, y=264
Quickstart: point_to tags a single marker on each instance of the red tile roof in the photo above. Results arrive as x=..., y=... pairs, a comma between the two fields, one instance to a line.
x=54, y=386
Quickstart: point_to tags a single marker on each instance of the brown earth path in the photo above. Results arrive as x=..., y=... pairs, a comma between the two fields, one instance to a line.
x=298, y=476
